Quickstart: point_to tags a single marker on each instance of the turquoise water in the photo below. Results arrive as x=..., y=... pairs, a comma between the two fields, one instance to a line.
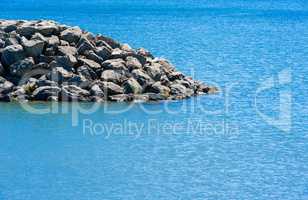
x=209, y=147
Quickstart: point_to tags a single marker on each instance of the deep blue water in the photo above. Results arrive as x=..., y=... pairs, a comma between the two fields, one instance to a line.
x=219, y=147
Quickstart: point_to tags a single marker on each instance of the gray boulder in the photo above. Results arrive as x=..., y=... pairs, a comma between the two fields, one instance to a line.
x=59, y=75
x=154, y=71
x=117, y=77
x=45, y=93
x=33, y=48
x=53, y=41
x=91, y=55
x=141, y=77
x=90, y=63
x=71, y=35
x=131, y=86
x=158, y=88
x=74, y=93
x=67, y=50
x=87, y=72
x=26, y=30
x=111, y=88
x=180, y=90
x=133, y=63
x=5, y=86
x=95, y=90
x=114, y=64
x=84, y=45
x=103, y=52
x=21, y=67
x=12, y=54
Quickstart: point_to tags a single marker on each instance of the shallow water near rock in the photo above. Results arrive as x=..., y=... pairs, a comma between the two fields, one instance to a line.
x=221, y=147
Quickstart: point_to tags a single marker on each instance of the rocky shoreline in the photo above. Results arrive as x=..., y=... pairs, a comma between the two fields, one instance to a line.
x=47, y=61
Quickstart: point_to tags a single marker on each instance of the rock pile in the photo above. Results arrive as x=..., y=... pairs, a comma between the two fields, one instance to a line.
x=47, y=61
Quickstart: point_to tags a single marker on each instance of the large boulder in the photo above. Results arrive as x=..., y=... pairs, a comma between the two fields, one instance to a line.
x=74, y=93
x=33, y=48
x=154, y=71
x=180, y=90
x=71, y=35
x=21, y=67
x=84, y=45
x=111, y=88
x=87, y=72
x=67, y=50
x=133, y=63
x=141, y=77
x=103, y=52
x=68, y=61
x=5, y=86
x=91, y=55
x=158, y=88
x=114, y=64
x=117, y=77
x=131, y=86
x=45, y=93
x=90, y=63
x=95, y=90
x=59, y=75
x=12, y=54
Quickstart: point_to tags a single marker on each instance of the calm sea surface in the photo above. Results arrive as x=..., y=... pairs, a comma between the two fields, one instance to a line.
x=248, y=142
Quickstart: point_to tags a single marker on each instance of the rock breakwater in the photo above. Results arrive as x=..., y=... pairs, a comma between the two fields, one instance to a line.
x=47, y=61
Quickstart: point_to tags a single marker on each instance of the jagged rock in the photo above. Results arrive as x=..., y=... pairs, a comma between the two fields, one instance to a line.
x=47, y=28
x=90, y=63
x=114, y=64
x=111, y=88
x=133, y=63
x=84, y=45
x=12, y=54
x=21, y=67
x=175, y=76
x=91, y=55
x=71, y=35
x=180, y=90
x=45, y=93
x=119, y=53
x=154, y=71
x=141, y=77
x=11, y=41
x=96, y=91
x=67, y=50
x=26, y=30
x=117, y=77
x=145, y=53
x=131, y=86
x=59, y=75
x=68, y=61
x=103, y=52
x=38, y=36
x=33, y=48
x=87, y=72
x=158, y=88
x=111, y=42
x=53, y=41
x=5, y=86
x=74, y=93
